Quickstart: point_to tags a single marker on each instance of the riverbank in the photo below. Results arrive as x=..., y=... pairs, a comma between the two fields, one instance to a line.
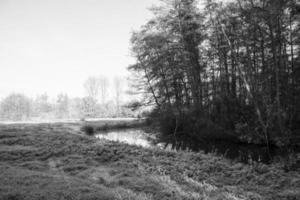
x=113, y=123
x=57, y=161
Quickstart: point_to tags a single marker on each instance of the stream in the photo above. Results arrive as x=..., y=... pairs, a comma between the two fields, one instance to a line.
x=236, y=151
x=130, y=136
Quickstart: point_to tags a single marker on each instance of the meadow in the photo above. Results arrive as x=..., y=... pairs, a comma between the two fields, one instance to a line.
x=59, y=161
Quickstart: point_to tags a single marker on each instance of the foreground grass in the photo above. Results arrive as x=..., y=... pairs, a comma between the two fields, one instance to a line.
x=58, y=162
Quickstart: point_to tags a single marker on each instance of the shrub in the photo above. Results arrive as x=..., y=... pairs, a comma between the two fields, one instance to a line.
x=88, y=130
x=189, y=129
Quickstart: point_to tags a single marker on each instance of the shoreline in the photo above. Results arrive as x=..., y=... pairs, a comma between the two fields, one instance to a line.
x=58, y=162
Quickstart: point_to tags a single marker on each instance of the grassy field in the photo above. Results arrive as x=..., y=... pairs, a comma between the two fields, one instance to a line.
x=57, y=161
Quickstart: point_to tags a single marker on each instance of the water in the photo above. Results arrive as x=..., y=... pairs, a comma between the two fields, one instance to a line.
x=130, y=136
x=236, y=151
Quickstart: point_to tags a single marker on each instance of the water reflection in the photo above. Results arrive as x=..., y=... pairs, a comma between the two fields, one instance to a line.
x=130, y=136
x=236, y=151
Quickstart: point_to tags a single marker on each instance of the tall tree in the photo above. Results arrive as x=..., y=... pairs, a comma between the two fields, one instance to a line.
x=233, y=63
x=118, y=89
x=92, y=87
x=104, y=84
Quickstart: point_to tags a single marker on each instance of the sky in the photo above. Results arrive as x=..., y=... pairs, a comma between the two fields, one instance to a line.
x=53, y=46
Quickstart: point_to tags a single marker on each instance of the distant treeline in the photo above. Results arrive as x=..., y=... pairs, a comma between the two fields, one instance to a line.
x=100, y=101
x=18, y=107
x=229, y=67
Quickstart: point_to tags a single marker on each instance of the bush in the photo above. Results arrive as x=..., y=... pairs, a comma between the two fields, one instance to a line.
x=88, y=130
x=189, y=129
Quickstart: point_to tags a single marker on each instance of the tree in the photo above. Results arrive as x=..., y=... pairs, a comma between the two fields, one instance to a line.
x=92, y=87
x=232, y=65
x=104, y=84
x=88, y=107
x=62, y=106
x=15, y=107
x=118, y=89
x=42, y=106
x=76, y=108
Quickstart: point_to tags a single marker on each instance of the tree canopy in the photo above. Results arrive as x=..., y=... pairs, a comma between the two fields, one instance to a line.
x=235, y=64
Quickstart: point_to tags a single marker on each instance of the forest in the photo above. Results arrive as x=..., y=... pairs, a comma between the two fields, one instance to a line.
x=223, y=70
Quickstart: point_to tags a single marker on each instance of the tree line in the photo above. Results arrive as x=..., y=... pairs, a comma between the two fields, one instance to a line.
x=221, y=68
x=100, y=100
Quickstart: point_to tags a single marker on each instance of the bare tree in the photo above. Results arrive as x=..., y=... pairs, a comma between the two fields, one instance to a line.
x=118, y=89
x=92, y=87
x=104, y=84
x=62, y=106
x=15, y=107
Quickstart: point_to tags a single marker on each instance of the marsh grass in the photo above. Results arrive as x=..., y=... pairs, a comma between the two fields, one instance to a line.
x=114, y=124
x=52, y=162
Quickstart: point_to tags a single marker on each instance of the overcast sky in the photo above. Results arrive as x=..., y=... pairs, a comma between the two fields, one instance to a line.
x=54, y=45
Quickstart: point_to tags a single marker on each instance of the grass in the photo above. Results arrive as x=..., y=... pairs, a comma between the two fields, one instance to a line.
x=57, y=162
x=104, y=125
